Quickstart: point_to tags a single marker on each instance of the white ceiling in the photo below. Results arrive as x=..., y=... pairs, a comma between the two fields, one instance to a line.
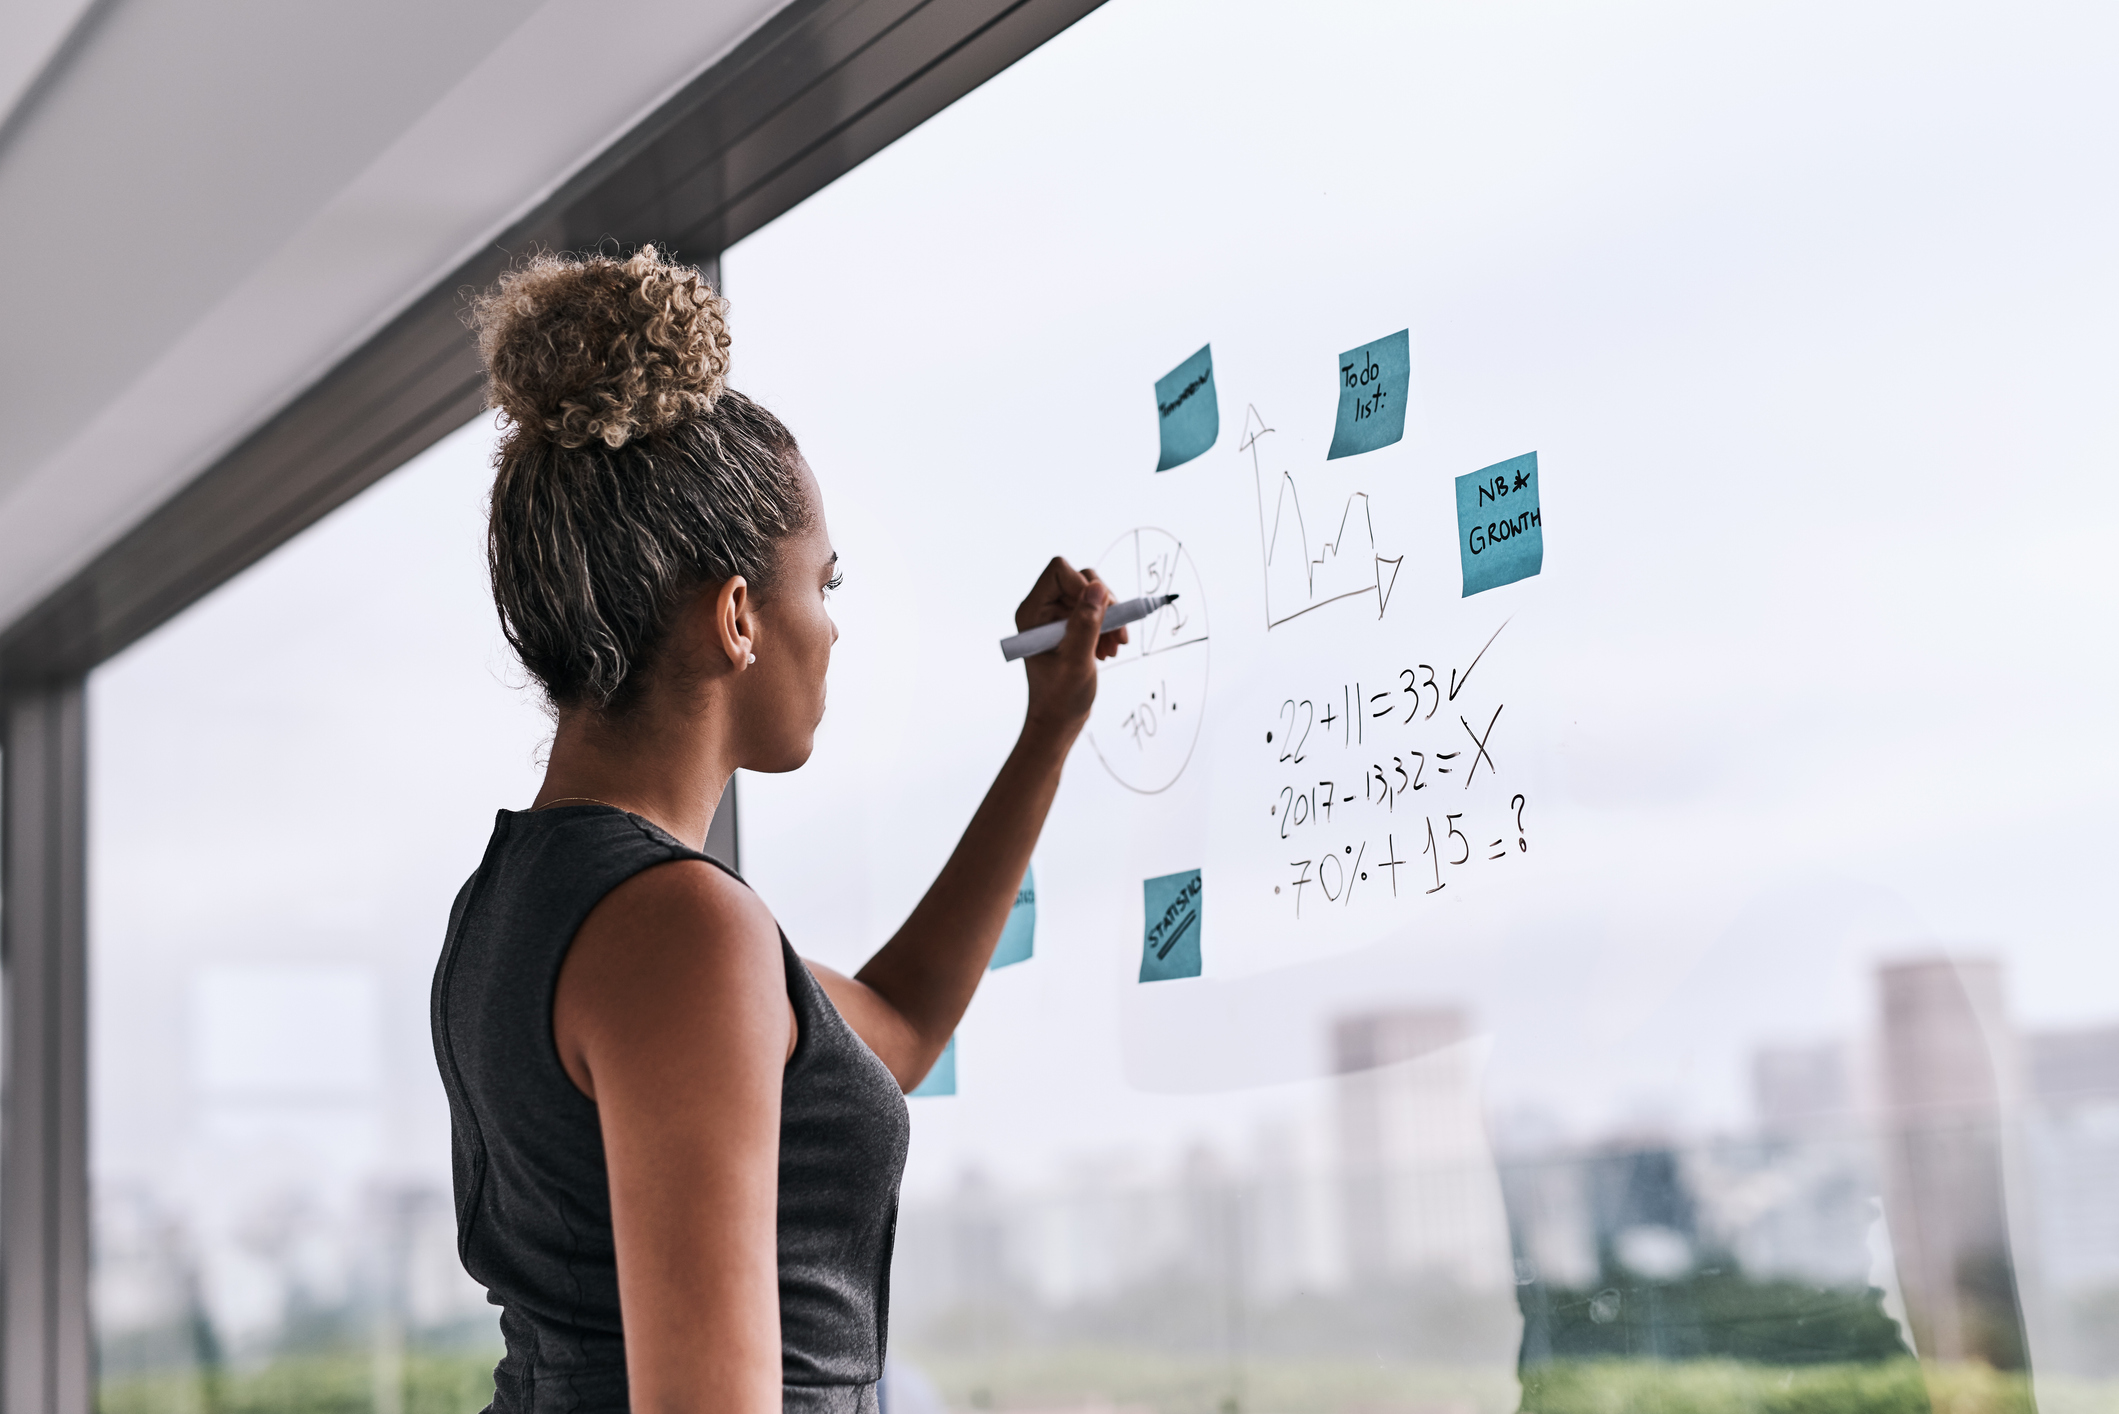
x=203, y=207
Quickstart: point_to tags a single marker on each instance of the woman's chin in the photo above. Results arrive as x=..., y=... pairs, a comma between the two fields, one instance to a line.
x=791, y=758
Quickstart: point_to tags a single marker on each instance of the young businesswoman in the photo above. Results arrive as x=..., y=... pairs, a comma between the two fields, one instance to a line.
x=678, y=1146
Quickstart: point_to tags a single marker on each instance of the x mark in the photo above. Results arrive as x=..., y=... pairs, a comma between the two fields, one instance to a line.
x=1480, y=742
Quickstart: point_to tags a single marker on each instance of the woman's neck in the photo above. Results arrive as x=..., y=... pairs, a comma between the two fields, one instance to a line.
x=667, y=768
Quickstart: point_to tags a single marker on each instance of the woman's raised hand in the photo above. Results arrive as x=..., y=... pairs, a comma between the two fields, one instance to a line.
x=1063, y=682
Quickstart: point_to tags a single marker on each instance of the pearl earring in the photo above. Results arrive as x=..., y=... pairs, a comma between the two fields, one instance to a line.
x=751, y=659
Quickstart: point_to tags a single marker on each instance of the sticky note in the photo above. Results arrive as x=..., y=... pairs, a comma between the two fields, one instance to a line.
x=1185, y=406
x=1017, y=937
x=942, y=1079
x=1372, y=385
x=1498, y=534
x=1170, y=944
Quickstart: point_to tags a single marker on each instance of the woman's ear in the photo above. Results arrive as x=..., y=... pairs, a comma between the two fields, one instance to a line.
x=735, y=624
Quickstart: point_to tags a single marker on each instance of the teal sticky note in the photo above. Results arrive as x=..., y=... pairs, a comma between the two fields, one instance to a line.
x=1017, y=937
x=1373, y=380
x=1185, y=406
x=1498, y=531
x=942, y=1079
x=1170, y=943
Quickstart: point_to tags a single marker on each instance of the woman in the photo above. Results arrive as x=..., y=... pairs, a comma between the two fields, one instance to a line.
x=677, y=1146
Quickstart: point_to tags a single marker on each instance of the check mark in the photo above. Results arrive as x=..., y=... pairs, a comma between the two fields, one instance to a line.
x=1456, y=682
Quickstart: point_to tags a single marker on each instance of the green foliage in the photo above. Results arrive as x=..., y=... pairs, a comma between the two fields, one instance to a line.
x=306, y=1384
x=1708, y=1315
x=1723, y=1386
x=1729, y=1386
x=1132, y=1379
x=1140, y=1380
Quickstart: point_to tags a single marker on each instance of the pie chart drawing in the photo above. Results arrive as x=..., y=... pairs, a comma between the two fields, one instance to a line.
x=1152, y=697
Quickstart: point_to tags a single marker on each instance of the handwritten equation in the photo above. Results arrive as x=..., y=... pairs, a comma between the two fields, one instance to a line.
x=1351, y=756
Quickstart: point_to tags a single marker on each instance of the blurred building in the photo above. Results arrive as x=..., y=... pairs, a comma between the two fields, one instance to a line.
x=1797, y=1199
x=1422, y=1194
x=1863, y=1212
x=171, y=1295
x=2072, y=1139
x=1948, y=1071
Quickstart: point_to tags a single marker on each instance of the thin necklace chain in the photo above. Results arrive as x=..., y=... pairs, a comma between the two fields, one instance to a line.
x=578, y=800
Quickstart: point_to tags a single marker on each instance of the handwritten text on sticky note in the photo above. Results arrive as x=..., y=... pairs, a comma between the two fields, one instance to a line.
x=1373, y=380
x=1185, y=406
x=1500, y=535
x=1170, y=942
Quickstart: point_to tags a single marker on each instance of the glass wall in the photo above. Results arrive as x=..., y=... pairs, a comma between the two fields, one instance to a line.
x=1741, y=1018
x=1727, y=1019
x=287, y=787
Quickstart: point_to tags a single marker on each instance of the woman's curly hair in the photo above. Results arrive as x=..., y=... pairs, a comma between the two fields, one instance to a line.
x=601, y=349
x=629, y=476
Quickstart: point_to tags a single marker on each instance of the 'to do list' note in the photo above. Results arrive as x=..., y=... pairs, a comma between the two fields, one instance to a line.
x=1373, y=380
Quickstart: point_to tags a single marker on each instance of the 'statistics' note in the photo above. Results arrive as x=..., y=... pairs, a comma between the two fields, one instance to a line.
x=1017, y=937
x=1498, y=530
x=1170, y=943
x=942, y=1079
x=1185, y=406
x=1372, y=385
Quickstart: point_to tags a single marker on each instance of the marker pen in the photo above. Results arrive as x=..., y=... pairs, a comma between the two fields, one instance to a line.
x=1046, y=637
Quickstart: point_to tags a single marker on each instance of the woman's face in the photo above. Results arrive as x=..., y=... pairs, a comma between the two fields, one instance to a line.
x=793, y=639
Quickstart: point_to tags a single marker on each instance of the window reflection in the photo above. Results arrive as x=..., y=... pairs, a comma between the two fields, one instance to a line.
x=1915, y=1188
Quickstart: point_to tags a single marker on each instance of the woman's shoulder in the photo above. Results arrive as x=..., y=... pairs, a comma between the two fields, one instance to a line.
x=680, y=959
x=692, y=898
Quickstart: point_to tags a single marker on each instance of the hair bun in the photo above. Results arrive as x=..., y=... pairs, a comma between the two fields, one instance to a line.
x=581, y=350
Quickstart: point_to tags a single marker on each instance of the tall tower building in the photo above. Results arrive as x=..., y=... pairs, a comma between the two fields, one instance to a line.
x=1948, y=1070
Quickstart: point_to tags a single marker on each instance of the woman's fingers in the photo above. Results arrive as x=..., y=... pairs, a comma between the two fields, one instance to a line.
x=1061, y=591
x=1063, y=682
x=1106, y=643
x=1056, y=594
x=1083, y=642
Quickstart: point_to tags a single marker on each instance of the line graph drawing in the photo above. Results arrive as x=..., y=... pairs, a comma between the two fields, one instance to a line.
x=1151, y=698
x=1298, y=576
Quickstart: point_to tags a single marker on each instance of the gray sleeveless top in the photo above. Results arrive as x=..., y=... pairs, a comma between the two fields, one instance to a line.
x=533, y=1201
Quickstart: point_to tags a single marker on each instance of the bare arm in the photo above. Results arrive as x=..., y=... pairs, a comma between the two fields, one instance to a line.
x=672, y=1015
x=909, y=997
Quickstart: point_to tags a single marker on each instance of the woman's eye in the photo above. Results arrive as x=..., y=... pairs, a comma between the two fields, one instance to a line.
x=834, y=582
